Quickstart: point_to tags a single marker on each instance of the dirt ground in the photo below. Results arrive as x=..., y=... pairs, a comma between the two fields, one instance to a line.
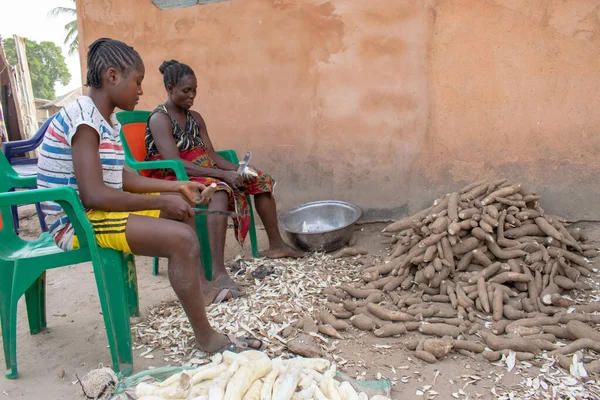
x=75, y=340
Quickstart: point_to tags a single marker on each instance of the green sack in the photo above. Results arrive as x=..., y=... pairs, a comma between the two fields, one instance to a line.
x=125, y=389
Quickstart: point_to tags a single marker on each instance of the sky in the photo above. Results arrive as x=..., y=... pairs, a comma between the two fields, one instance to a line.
x=29, y=18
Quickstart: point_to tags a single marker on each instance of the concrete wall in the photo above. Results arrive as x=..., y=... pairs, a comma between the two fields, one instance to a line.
x=386, y=103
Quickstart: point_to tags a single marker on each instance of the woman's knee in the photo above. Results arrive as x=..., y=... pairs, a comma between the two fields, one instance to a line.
x=220, y=200
x=183, y=240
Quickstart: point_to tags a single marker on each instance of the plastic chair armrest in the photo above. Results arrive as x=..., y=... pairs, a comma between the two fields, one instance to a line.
x=23, y=160
x=175, y=165
x=65, y=196
x=229, y=155
x=19, y=146
x=12, y=148
x=23, y=182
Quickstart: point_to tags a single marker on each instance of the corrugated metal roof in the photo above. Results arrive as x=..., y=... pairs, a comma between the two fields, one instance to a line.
x=63, y=100
x=169, y=4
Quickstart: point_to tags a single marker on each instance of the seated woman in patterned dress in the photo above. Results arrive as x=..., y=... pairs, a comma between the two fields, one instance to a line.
x=174, y=132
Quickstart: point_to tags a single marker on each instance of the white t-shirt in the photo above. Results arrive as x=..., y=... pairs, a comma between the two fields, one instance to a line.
x=55, y=164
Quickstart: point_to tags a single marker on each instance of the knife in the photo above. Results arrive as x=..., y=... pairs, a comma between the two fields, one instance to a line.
x=206, y=211
x=244, y=163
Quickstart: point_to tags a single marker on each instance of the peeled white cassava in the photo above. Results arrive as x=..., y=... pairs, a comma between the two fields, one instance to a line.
x=256, y=366
x=150, y=397
x=170, y=380
x=217, y=389
x=288, y=385
x=347, y=391
x=253, y=393
x=313, y=374
x=319, y=395
x=144, y=389
x=317, y=364
x=329, y=388
x=209, y=372
x=309, y=392
x=178, y=390
x=266, y=391
x=252, y=375
x=230, y=357
x=200, y=390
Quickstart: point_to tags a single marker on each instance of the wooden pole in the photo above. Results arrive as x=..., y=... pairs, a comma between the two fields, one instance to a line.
x=12, y=113
x=3, y=132
x=25, y=93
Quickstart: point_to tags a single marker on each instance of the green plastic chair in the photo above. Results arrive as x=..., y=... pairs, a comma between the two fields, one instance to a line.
x=23, y=266
x=133, y=131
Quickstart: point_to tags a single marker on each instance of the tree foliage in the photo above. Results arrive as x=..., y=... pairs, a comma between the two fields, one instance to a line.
x=72, y=38
x=46, y=66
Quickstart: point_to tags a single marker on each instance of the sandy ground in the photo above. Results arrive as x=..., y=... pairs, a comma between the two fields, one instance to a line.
x=75, y=340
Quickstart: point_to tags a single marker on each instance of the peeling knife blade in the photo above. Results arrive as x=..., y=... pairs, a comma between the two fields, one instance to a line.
x=205, y=211
x=244, y=163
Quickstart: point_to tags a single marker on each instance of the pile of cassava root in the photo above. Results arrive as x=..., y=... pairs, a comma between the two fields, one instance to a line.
x=485, y=270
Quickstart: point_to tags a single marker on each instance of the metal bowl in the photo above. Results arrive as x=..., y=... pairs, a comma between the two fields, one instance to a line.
x=321, y=225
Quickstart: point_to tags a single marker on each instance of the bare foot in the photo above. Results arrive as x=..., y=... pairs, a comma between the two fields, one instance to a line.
x=223, y=281
x=213, y=342
x=284, y=251
x=210, y=293
x=219, y=342
x=221, y=288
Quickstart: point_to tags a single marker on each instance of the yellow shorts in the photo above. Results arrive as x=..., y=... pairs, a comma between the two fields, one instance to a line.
x=110, y=228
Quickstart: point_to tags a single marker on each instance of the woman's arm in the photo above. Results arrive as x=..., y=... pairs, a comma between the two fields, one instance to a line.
x=134, y=183
x=94, y=194
x=161, y=128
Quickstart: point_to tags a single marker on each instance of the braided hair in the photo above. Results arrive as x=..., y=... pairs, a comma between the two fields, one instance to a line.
x=173, y=71
x=105, y=53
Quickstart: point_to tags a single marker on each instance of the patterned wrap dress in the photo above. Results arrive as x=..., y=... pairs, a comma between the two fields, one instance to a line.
x=193, y=149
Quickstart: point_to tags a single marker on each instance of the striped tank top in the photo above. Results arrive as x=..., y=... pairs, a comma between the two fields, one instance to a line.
x=55, y=164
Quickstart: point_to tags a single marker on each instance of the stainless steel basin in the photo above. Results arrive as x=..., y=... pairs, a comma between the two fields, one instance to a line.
x=321, y=225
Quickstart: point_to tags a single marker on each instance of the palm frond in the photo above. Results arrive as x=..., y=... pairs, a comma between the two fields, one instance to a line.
x=71, y=26
x=74, y=46
x=72, y=38
x=58, y=11
x=72, y=34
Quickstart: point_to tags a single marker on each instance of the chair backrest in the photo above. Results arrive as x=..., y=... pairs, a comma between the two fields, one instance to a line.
x=133, y=131
x=39, y=136
x=6, y=170
x=6, y=185
x=26, y=145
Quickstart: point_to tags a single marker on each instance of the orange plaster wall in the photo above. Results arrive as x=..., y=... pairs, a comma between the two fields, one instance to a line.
x=386, y=103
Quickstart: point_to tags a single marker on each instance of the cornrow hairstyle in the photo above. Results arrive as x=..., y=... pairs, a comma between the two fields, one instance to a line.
x=173, y=71
x=105, y=53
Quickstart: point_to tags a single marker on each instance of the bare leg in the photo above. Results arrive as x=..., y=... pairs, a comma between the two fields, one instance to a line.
x=267, y=210
x=178, y=242
x=217, y=233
